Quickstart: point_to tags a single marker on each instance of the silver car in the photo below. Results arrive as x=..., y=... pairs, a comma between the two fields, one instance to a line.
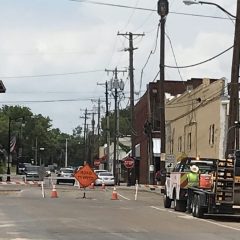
x=106, y=178
x=65, y=175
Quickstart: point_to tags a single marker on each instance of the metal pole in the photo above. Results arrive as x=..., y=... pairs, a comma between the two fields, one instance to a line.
x=9, y=150
x=36, y=151
x=162, y=91
x=66, y=154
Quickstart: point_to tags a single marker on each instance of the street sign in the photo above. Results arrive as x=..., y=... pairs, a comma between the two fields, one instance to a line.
x=128, y=162
x=85, y=176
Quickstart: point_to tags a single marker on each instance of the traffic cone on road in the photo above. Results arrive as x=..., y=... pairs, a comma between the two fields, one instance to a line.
x=114, y=194
x=54, y=192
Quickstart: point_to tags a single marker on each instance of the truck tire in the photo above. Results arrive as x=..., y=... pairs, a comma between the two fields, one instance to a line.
x=179, y=205
x=199, y=208
x=194, y=203
x=166, y=201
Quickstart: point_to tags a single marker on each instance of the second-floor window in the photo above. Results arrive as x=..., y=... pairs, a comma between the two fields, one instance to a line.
x=211, y=134
x=189, y=141
x=180, y=144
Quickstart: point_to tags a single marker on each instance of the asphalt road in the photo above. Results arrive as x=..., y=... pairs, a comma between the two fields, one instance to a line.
x=25, y=214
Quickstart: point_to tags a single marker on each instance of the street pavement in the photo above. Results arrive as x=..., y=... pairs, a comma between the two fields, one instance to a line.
x=25, y=214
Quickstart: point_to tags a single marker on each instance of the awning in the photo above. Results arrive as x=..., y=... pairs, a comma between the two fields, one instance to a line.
x=156, y=147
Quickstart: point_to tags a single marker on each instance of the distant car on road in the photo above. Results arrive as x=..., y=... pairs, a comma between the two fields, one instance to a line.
x=106, y=178
x=65, y=175
x=21, y=167
x=32, y=173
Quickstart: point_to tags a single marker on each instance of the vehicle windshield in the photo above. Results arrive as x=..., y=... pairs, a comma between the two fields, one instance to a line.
x=204, y=166
x=67, y=170
x=105, y=174
x=32, y=168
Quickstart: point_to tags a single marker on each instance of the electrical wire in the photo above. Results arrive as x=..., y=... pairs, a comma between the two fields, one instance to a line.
x=174, y=56
x=53, y=74
x=205, y=61
x=146, y=9
x=149, y=56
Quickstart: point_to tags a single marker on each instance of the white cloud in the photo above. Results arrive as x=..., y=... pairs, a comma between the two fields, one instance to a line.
x=44, y=37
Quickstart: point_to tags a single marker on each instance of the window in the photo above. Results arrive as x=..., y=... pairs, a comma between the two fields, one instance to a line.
x=189, y=141
x=211, y=134
x=171, y=146
x=180, y=144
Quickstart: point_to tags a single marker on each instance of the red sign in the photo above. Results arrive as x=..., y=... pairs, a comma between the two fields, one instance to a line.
x=128, y=162
x=97, y=162
x=85, y=176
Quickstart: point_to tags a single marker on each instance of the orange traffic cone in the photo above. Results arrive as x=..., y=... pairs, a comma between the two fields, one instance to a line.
x=91, y=186
x=54, y=192
x=114, y=194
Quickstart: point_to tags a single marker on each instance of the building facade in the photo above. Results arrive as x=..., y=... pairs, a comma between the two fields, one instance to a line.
x=196, y=121
x=147, y=125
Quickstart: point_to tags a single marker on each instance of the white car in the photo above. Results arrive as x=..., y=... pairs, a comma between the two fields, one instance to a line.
x=97, y=171
x=66, y=175
x=106, y=178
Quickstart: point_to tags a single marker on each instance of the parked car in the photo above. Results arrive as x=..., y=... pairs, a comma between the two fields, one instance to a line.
x=48, y=172
x=106, y=178
x=65, y=175
x=32, y=173
x=21, y=167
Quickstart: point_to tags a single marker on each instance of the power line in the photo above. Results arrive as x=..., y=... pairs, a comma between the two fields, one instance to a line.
x=53, y=74
x=147, y=9
x=48, y=101
x=196, y=64
x=174, y=56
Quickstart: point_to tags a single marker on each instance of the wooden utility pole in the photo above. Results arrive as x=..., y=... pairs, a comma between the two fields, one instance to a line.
x=233, y=134
x=85, y=134
x=116, y=86
x=131, y=76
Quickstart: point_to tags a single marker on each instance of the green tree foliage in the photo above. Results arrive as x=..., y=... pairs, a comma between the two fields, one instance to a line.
x=34, y=132
x=124, y=125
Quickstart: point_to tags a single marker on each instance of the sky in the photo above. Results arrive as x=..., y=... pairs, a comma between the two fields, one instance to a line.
x=54, y=53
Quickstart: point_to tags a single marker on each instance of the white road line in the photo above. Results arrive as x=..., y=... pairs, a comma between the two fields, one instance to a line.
x=124, y=197
x=218, y=224
x=7, y=225
x=157, y=208
x=199, y=219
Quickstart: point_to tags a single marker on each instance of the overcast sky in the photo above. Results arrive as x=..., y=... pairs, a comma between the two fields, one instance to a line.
x=53, y=53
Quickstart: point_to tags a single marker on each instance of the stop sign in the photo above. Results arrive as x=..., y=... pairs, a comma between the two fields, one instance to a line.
x=128, y=162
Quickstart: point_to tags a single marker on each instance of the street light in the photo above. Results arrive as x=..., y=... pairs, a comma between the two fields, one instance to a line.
x=191, y=2
x=41, y=149
x=163, y=9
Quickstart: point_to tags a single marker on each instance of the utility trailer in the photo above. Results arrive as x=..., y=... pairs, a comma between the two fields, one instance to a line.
x=219, y=200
